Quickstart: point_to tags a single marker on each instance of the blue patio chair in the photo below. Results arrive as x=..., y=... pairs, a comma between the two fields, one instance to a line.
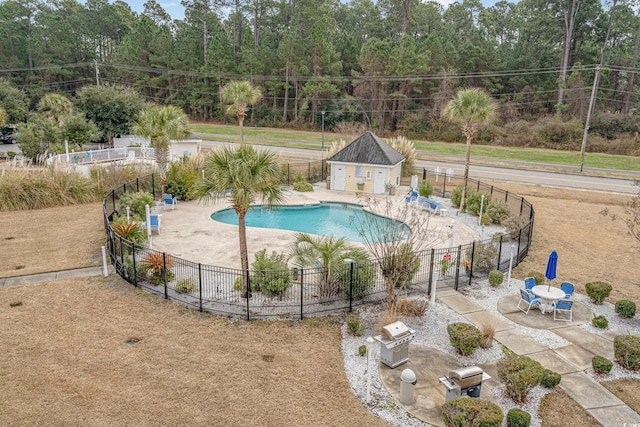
x=154, y=222
x=563, y=306
x=169, y=200
x=412, y=198
x=529, y=283
x=567, y=288
x=527, y=299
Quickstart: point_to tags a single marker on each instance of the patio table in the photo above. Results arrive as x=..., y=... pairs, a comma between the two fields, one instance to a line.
x=548, y=296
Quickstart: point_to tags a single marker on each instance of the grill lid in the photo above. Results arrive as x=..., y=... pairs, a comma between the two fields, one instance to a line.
x=395, y=330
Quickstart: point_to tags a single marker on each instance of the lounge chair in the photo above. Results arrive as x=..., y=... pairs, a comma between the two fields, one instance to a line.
x=567, y=288
x=412, y=198
x=563, y=306
x=169, y=200
x=527, y=299
x=529, y=283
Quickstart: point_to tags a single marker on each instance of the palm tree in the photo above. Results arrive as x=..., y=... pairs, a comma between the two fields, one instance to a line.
x=161, y=125
x=470, y=107
x=239, y=94
x=248, y=175
x=329, y=253
x=55, y=107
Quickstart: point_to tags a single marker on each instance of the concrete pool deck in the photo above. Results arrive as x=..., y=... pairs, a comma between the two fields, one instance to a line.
x=188, y=232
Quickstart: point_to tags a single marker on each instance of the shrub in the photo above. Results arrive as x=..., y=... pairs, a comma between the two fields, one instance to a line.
x=464, y=337
x=625, y=308
x=414, y=307
x=600, y=322
x=271, y=273
x=601, y=365
x=302, y=186
x=237, y=283
x=426, y=188
x=465, y=412
x=496, y=277
x=157, y=266
x=137, y=202
x=538, y=276
x=626, y=349
x=474, y=199
x=488, y=330
x=362, y=350
x=456, y=196
x=550, y=379
x=519, y=374
x=354, y=325
x=402, y=266
x=486, y=219
x=598, y=291
x=363, y=279
x=181, y=178
x=186, y=286
x=498, y=212
x=486, y=256
x=131, y=232
x=518, y=418
x=514, y=224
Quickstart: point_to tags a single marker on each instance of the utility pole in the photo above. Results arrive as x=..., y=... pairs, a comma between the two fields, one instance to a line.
x=95, y=63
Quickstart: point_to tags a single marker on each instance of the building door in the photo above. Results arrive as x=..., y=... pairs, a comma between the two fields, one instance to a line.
x=339, y=177
x=379, y=176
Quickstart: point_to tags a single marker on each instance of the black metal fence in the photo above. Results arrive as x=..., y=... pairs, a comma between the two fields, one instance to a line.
x=298, y=292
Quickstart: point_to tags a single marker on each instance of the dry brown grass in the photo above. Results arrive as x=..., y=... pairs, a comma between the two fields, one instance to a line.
x=66, y=361
x=626, y=390
x=488, y=330
x=557, y=409
x=412, y=307
x=42, y=240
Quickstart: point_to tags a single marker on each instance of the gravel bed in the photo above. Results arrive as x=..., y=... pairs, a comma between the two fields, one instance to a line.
x=431, y=332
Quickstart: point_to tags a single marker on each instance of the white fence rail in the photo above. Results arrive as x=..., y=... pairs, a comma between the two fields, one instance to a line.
x=100, y=156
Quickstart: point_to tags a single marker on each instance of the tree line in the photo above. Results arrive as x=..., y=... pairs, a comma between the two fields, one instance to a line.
x=389, y=64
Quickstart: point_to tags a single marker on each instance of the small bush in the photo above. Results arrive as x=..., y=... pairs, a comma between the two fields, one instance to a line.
x=271, y=273
x=625, y=308
x=401, y=267
x=486, y=219
x=626, y=349
x=362, y=350
x=362, y=281
x=456, y=196
x=486, y=256
x=465, y=412
x=601, y=365
x=426, y=188
x=237, y=284
x=302, y=186
x=157, y=266
x=598, y=291
x=520, y=374
x=354, y=325
x=550, y=379
x=600, y=322
x=498, y=212
x=518, y=418
x=514, y=224
x=488, y=330
x=137, y=202
x=474, y=200
x=186, y=286
x=464, y=337
x=414, y=307
x=496, y=277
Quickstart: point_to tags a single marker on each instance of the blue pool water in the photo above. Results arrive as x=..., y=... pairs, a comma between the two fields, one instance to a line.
x=329, y=219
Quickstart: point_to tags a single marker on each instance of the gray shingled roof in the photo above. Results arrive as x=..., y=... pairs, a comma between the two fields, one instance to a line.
x=368, y=149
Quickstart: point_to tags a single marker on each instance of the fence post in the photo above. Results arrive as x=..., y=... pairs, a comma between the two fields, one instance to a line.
x=473, y=254
x=113, y=200
x=478, y=186
x=458, y=267
x=499, y=252
x=248, y=292
x=309, y=172
x=431, y=257
x=301, y=292
x=164, y=274
x=153, y=185
x=288, y=174
x=121, y=254
x=519, y=238
x=424, y=173
x=135, y=269
x=506, y=196
x=124, y=188
x=351, y=286
x=200, y=285
x=521, y=204
x=137, y=183
x=444, y=187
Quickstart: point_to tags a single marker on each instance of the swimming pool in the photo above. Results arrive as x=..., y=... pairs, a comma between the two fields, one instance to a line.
x=329, y=219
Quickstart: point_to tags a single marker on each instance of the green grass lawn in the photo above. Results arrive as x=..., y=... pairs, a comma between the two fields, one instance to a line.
x=313, y=140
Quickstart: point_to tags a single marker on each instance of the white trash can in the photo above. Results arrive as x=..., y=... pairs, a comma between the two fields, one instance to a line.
x=408, y=382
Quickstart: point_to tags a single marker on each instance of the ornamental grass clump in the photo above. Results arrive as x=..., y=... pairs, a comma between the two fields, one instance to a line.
x=625, y=308
x=354, y=325
x=520, y=374
x=466, y=412
x=186, y=286
x=598, y=291
x=464, y=337
x=601, y=365
x=626, y=349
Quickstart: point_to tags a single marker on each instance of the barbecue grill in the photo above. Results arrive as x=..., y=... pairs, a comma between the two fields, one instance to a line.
x=394, y=343
x=464, y=381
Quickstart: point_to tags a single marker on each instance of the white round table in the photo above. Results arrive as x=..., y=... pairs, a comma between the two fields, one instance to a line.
x=548, y=296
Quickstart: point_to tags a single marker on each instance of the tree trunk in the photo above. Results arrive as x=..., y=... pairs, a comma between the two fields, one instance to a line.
x=463, y=200
x=244, y=254
x=629, y=91
x=569, y=25
x=286, y=96
x=240, y=123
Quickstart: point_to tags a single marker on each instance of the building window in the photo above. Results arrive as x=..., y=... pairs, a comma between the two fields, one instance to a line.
x=358, y=171
x=368, y=174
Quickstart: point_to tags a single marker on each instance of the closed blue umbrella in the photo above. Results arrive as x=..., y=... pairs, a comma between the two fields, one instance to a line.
x=551, y=266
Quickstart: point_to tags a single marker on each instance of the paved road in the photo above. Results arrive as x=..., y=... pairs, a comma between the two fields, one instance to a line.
x=518, y=172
